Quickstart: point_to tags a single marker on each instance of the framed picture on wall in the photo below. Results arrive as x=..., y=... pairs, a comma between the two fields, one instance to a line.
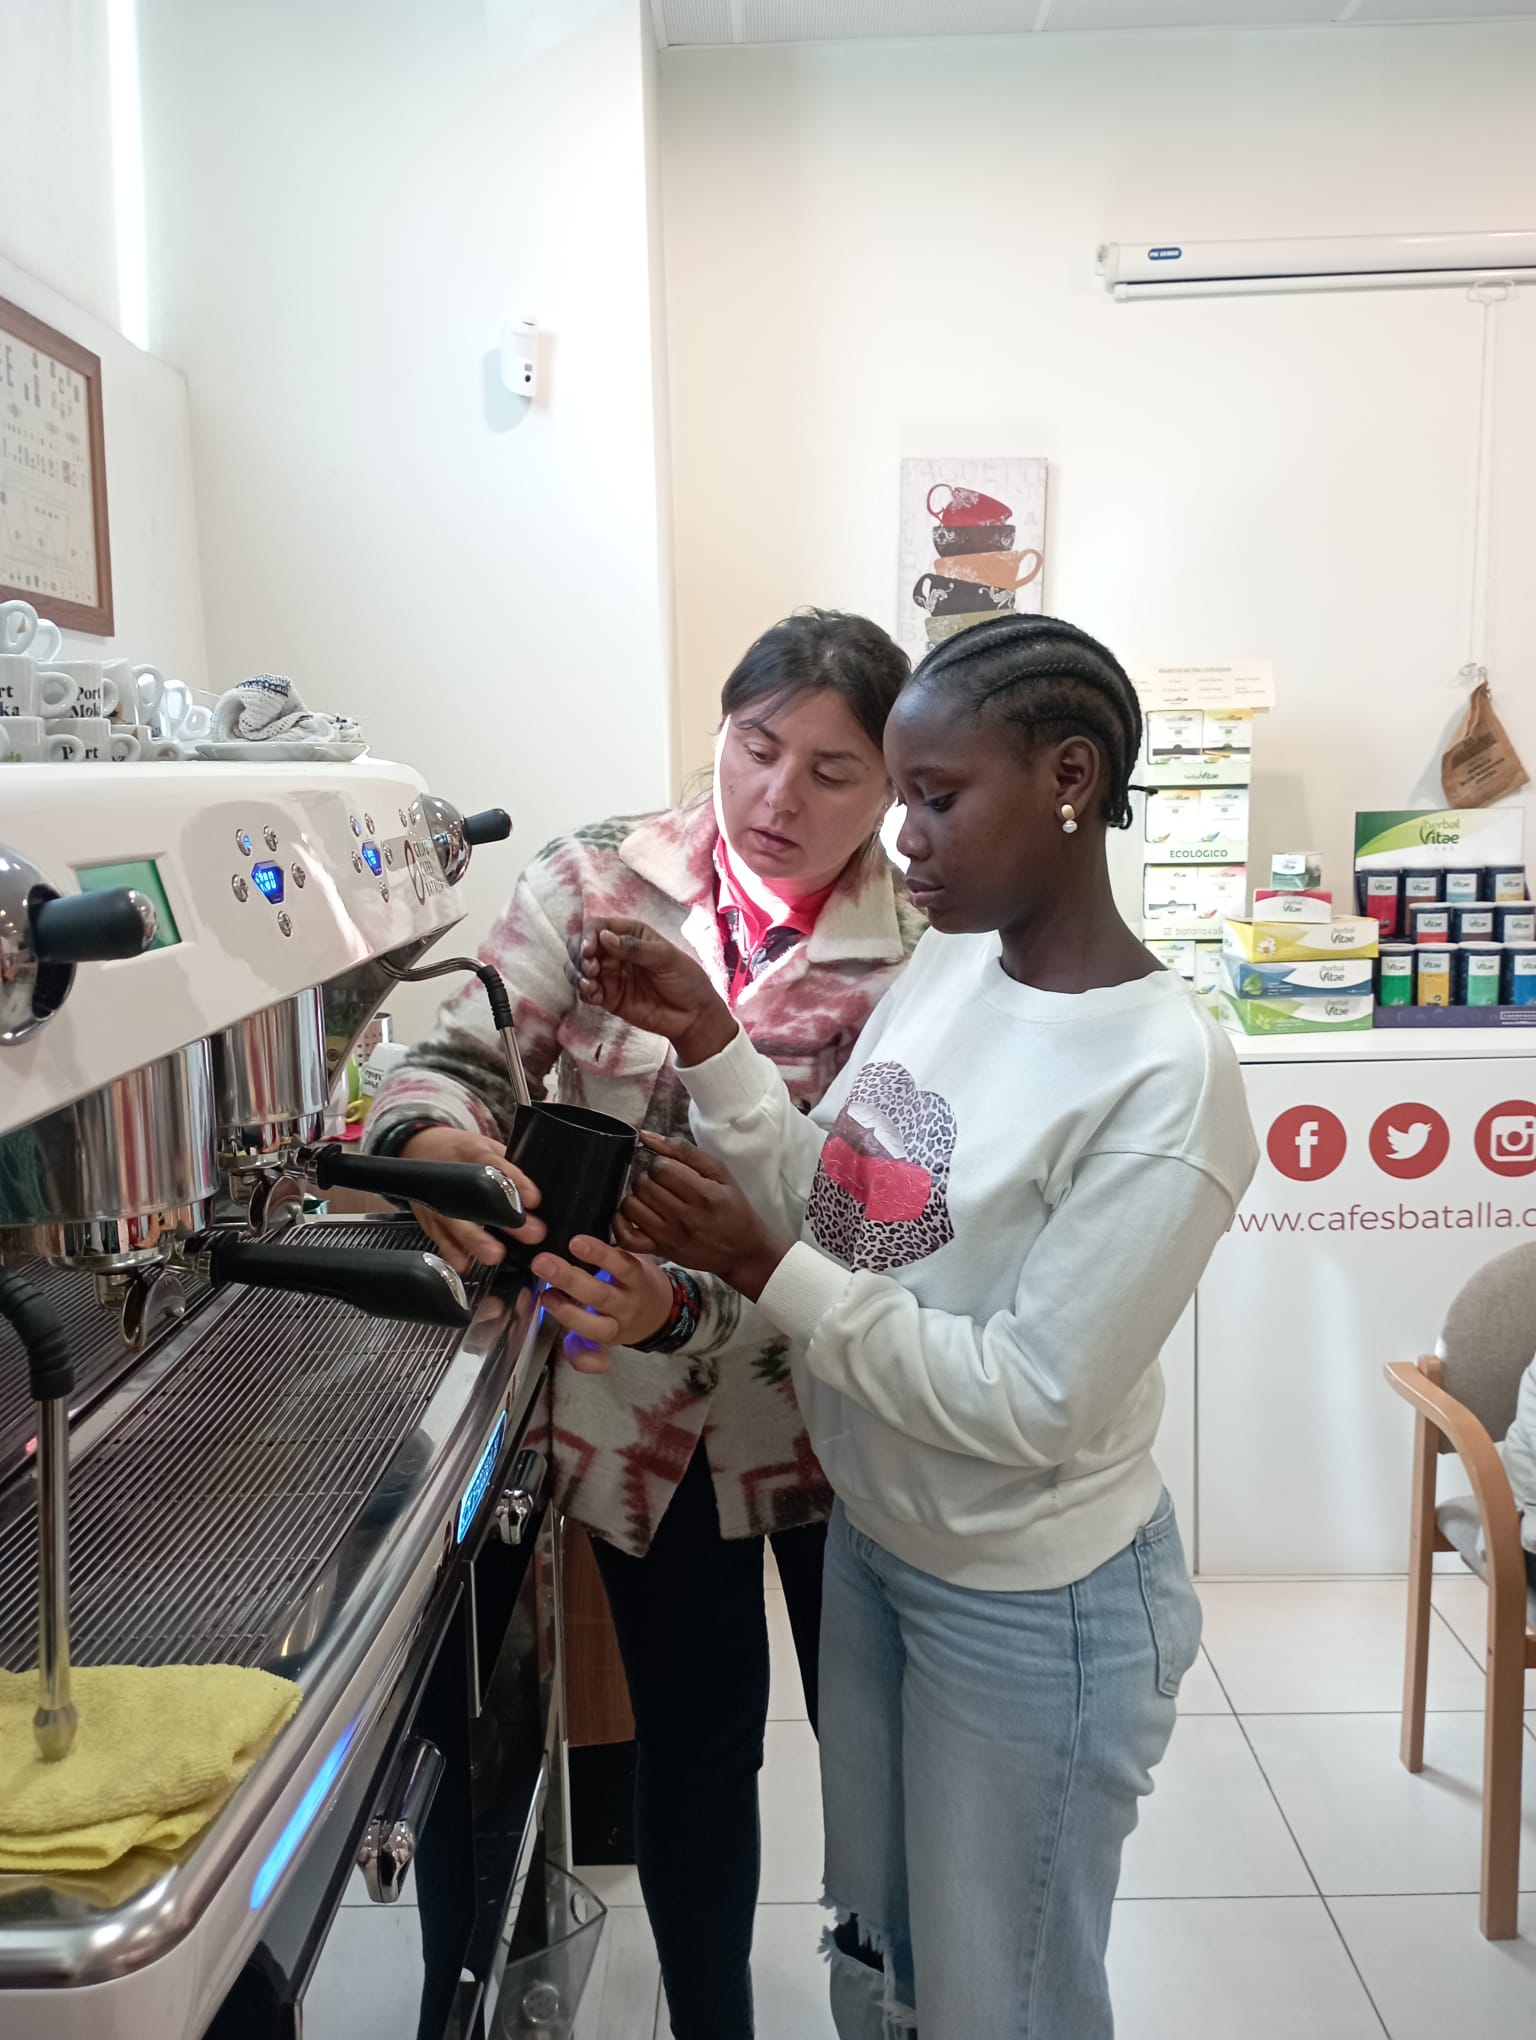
x=972, y=545
x=54, y=550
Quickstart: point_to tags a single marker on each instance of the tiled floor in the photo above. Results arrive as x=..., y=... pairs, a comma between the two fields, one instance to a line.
x=1289, y=1880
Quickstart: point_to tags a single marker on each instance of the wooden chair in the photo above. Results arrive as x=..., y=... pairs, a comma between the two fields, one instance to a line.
x=1464, y=1399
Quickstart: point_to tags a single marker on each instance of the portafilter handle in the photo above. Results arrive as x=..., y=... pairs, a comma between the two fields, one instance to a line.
x=38, y=1326
x=469, y=1190
x=419, y=1288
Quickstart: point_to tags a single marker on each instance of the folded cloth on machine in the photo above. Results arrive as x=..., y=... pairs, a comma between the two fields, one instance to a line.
x=267, y=709
x=158, y=1751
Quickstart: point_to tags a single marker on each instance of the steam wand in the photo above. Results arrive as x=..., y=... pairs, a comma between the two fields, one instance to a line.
x=38, y=1327
x=501, y=1008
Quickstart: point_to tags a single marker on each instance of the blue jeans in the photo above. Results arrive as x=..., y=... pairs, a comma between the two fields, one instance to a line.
x=982, y=1755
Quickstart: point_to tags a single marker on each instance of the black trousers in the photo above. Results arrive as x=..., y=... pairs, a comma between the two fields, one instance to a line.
x=693, y=1634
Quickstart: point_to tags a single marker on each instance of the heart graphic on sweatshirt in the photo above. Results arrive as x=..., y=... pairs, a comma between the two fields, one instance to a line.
x=880, y=1199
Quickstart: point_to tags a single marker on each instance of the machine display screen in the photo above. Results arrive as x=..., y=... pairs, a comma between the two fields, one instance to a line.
x=372, y=859
x=269, y=881
x=144, y=876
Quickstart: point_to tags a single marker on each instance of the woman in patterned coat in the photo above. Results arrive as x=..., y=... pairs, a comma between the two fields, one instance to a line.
x=689, y=1452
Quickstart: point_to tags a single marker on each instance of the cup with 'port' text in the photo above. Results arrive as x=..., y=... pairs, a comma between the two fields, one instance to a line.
x=26, y=688
x=101, y=742
x=28, y=740
x=95, y=686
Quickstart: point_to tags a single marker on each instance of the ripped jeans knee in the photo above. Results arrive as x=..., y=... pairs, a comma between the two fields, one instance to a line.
x=868, y=2002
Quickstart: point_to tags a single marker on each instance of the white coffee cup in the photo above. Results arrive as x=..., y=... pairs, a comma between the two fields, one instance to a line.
x=151, y=744
x=28, y=740
x=26, y=688
x=125, y=684
x=18, y=626
x=101, y=742
x=48, y=646
x=95, y=684
x=169, y=705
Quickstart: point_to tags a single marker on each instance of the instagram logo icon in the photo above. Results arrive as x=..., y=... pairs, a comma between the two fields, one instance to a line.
x=1506, y=1138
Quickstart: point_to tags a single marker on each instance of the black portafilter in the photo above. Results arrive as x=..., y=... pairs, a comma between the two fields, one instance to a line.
x=419, y=1288
x=52, y=1376
x=468, y=1190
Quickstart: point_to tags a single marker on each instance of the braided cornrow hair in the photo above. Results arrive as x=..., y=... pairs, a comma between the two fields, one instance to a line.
x=1051, y=680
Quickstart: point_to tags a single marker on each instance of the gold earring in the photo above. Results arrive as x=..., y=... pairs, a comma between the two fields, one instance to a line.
x=1068, y=819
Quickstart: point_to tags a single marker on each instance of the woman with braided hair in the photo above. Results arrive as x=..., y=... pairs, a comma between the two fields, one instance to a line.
x=977, y=1245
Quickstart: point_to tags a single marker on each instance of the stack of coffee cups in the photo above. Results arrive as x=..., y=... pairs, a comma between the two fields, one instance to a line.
x=85, y=711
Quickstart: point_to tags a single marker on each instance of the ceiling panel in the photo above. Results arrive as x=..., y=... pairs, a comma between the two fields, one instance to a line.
x=1074, y=14
x=684, y=23
x=769, y=21
x=681, y=23
x=1377, y=11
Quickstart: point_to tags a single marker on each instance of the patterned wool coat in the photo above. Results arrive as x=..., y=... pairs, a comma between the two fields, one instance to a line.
x=623, y=1440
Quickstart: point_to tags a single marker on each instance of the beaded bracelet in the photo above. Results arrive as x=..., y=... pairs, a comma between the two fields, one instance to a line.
x=684, y=1318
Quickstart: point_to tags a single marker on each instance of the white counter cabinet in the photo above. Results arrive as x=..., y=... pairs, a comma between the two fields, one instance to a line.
x=1394, y=1165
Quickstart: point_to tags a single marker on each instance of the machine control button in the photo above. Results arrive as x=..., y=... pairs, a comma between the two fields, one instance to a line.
x=405, y=820
x=284, y=925
x=383, y=888
x=300, y=876
x=269, y=836
x=238, y=887
x=389, y=856
x=357, y=827
x=368, y=823
x=357, y=861
x=243, y=842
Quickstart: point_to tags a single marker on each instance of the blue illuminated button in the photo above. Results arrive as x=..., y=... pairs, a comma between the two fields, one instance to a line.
x=243, y=842
x=269, y=880
x=372, y=859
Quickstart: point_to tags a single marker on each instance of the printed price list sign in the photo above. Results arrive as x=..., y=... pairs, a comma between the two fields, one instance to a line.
x=52, y=482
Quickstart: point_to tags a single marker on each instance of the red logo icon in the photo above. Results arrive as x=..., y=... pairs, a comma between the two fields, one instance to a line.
x=1409, y=1141
x=1307, y=1143
x=1506, y=1138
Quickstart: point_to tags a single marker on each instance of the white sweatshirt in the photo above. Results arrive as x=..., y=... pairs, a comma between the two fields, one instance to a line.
x=1004, y=1204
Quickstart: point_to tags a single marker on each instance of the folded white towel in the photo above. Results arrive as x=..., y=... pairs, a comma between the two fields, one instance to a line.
x=267, y=709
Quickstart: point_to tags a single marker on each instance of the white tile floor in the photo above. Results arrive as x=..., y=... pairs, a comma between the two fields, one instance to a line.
x=1289, y=1880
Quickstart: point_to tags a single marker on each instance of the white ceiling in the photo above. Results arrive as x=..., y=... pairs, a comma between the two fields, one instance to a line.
x=690, y=24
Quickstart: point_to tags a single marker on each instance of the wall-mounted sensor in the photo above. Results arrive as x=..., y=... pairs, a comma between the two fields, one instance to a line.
x=520, y=358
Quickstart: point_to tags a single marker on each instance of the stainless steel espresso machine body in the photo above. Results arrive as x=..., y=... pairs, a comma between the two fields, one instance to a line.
x=299, y=1443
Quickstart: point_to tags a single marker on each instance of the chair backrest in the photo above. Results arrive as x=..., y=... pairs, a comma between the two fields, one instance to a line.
x=1490, y=1337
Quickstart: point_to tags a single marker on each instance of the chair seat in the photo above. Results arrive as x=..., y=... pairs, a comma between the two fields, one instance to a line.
x=1462, y=1527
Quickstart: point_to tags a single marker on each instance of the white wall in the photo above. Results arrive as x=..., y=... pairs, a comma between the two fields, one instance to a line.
x=346, y=202
x=875, y=251
x=56, y=217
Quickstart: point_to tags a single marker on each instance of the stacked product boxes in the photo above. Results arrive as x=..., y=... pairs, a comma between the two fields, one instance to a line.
x=1294, y=967
x=1447, y=888
x=1197, y=764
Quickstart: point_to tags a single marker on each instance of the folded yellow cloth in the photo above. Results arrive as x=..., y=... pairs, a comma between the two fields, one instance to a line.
x=158, y=1751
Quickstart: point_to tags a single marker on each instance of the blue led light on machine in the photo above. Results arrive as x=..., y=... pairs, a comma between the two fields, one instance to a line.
x=269, y=881
x=372, y=859
x=284, y=1849
x=480, y=1480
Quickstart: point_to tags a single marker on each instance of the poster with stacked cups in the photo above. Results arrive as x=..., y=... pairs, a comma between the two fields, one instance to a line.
x=972, y=546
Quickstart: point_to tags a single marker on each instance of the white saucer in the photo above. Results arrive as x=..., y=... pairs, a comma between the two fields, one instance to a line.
x=281, y=754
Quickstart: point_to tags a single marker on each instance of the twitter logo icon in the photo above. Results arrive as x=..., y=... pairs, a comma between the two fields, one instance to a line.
x=1409, y=1140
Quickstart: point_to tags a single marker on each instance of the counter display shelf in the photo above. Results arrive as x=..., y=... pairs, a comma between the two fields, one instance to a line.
x=1393, y=1166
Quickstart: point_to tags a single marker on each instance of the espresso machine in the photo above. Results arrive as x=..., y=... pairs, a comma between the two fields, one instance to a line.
x=234, y=1431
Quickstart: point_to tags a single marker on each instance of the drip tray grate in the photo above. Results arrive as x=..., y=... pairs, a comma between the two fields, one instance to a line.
x=204, y=1521
x=95, y=1341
